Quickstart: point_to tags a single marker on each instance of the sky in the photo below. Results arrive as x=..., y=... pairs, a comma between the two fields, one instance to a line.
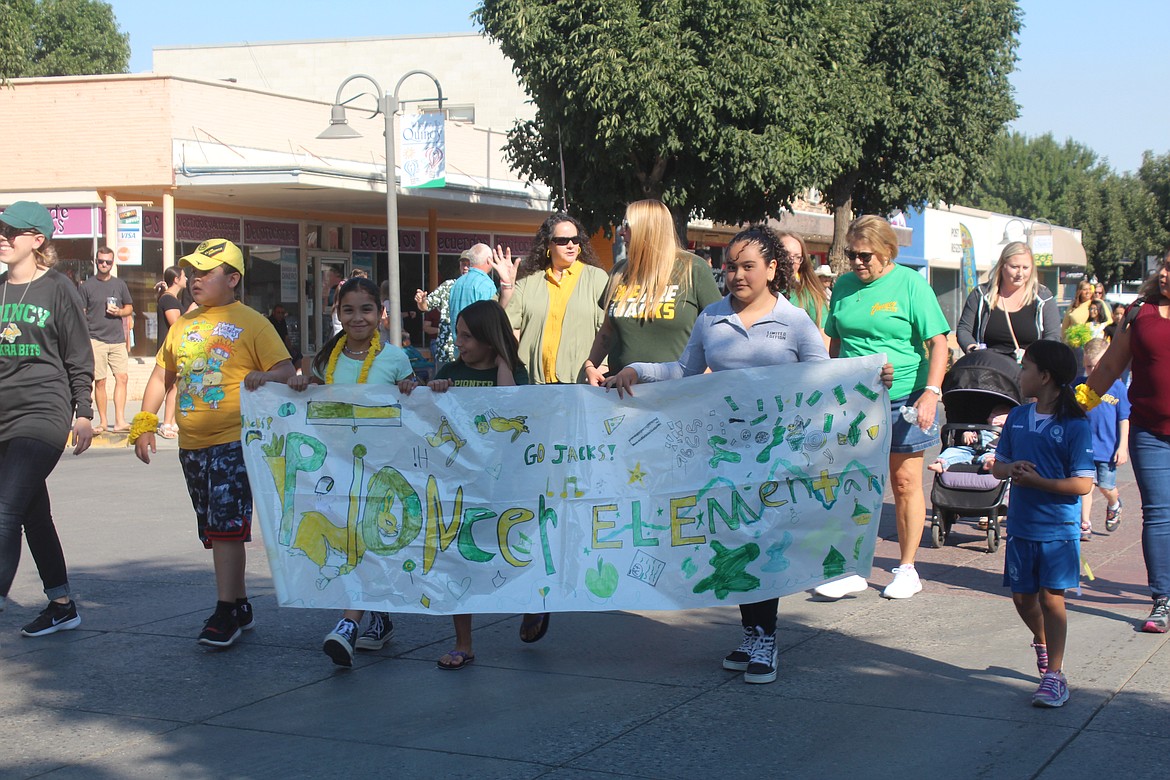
x=1095, y=72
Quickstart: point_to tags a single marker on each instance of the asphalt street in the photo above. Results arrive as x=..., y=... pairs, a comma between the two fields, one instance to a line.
x=935, y=686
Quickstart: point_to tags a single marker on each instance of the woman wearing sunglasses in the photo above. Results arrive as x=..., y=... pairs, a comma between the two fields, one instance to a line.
x=653, y=298
x=552, y=299
x=884, y=307
x=46, y=368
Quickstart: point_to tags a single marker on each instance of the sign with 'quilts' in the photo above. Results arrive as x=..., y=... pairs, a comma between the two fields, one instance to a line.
x=721, y=488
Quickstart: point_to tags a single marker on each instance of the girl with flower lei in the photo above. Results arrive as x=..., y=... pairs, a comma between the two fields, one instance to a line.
x=356, y=355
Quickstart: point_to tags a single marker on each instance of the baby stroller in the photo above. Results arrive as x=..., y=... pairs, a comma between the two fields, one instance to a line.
x=975, y=385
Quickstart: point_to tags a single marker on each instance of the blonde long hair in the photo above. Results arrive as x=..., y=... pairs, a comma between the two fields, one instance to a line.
x=654, y=260
x=1031, y=286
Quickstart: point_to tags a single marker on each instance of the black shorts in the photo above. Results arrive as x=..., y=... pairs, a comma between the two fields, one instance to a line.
x=220, y=493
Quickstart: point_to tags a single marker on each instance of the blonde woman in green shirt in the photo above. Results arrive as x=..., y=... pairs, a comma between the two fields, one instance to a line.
x=653, y=298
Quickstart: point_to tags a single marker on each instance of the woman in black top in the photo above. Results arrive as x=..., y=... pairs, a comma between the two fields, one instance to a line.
x=170, y=308
x=1011, y=310
x=46, y=369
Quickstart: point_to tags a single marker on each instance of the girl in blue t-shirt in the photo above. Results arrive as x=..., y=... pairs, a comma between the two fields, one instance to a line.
x=1047, y=450
x=488, y=357
x=356, y=355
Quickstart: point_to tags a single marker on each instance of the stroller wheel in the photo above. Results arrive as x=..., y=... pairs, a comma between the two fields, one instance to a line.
x=938, y=529
x=993, y=535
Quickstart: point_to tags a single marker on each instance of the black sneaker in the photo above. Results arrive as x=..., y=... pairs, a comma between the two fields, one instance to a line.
x=737, y=660
x=762, y=667
x=244, y=615
x=378, y=634
x=53, y=618
x=339, y=642
x=222, y=629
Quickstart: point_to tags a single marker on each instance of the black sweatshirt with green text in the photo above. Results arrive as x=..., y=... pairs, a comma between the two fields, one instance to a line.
x=46, y=362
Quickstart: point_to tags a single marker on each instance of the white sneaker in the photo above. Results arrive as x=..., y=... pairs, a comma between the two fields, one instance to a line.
x=841, y=588
x=906, y=583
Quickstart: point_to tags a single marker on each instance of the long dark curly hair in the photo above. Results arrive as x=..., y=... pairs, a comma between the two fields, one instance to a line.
x=538, y=258
x=770, y=248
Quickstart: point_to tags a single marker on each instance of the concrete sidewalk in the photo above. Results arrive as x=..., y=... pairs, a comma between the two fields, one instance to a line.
x=935, y=686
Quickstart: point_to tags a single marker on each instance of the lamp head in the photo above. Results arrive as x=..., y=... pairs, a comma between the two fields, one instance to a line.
x=338, y=125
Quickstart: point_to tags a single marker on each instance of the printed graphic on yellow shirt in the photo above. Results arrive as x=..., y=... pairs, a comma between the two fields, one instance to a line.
x=631, y=302
x=205, y=347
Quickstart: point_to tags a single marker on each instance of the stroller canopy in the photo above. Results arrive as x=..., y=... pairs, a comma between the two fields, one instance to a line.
x=977, y=383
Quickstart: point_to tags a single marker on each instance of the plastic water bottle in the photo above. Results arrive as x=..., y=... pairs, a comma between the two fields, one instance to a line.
x=910, y=415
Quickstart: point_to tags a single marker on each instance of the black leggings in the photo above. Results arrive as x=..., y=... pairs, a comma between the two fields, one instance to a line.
x=762, y=614
x=25, y=464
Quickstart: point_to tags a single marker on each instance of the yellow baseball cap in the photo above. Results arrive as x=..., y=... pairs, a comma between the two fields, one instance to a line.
x=213, y=252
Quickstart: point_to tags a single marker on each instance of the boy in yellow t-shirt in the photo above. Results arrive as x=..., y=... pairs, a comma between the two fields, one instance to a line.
x=207, y=353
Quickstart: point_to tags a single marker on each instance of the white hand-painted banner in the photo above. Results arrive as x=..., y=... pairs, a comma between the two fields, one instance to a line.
x=722, y=488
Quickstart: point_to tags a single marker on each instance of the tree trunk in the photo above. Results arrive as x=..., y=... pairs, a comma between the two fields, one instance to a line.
x=681, y=216
x=841, y=196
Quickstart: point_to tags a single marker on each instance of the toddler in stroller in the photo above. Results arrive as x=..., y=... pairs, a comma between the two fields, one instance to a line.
x=978, y=392
x=977, y=447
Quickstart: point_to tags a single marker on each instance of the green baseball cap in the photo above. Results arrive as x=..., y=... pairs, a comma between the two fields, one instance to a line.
x=27, y=215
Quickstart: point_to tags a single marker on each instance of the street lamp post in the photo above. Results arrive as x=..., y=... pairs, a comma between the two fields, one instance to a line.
x=388, y=105
x=1007, y=238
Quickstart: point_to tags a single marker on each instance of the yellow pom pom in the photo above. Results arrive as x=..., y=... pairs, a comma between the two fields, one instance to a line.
x=143, y=422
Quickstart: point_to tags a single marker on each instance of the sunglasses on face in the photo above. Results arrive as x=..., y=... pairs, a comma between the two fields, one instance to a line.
x=864, y=257
x=105, y=261
x=566, y=240
x=11, y=233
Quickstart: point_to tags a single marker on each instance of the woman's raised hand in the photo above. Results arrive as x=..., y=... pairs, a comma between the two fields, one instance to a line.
x=504, y=266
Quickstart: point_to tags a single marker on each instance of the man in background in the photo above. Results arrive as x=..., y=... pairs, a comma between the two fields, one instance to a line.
x=107, y=301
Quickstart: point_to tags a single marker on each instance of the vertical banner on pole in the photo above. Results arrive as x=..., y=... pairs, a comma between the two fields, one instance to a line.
x=968, y=271
x=129, y=249
x=1042, y=249
x=424, y=154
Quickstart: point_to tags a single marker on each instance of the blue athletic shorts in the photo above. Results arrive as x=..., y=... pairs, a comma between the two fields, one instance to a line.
x=1029, y=566
x=1106, y=474
x=220, y=493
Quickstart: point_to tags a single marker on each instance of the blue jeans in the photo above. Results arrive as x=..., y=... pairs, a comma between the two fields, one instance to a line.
x=1150, y=454
x=25, y=464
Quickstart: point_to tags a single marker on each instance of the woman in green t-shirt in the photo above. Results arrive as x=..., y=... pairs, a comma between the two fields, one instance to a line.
x=885, y=307
x=653, y=298
x=808, y=291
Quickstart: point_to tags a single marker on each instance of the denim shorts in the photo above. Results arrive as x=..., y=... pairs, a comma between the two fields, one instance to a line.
x=1029, y=566
x=1106, y=475
x=907, y=437
x=220, y=493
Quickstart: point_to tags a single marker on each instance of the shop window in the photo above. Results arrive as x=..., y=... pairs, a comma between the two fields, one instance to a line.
x=141, y=279
x=945, y=283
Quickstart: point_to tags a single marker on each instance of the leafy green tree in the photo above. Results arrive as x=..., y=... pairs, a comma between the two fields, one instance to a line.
x=939, y=72
x=1119, y=216
x=60, y=38
x=720, y=107
x=1034, y=177
x=728, y=108
x=1119, y=221
x=1155, y=174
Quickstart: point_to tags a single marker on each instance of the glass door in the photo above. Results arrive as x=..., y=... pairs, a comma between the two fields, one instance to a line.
x=322, y=274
